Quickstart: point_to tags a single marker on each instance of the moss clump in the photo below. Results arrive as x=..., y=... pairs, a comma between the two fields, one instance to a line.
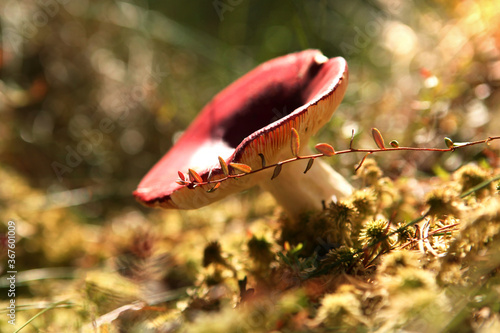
x=374, y=231
x=259, y=250
x=324, y=230
x=404, y=233
x=369, y=172
x=213, y=255
x=442, y=201
x=395, y=261
x=341, y=310
x=342, y=259
x=365, y=202
x=470, y=176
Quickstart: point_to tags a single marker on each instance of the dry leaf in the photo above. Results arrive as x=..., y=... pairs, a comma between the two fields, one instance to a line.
x=194, y=176
x=325, y=149
x=241, y=167
x=263, y=160
x=216, y=186
x=309, y=165
x=223, y=166
x=181, y=175
x=277, y=171
x=362, y=161
x=377, y=137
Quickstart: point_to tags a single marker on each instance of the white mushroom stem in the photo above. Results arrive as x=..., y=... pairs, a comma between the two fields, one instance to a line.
x=298, y=193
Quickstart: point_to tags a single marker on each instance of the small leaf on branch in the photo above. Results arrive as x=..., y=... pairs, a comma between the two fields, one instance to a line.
x=325, y=149
x=223, y=166
x=277, y=171
x=241, y=167
x=449, y=142
x=295, y=142
x=377, y=137
x=352, y=139
x=182, y=182
x=362, y=161
x=309, y=164
x=194, y=176
x=263, y=160
x=394, y=144
x=214, y=188
x=181, y=175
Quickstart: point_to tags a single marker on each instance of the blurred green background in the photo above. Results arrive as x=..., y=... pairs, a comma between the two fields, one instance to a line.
x=93, y=93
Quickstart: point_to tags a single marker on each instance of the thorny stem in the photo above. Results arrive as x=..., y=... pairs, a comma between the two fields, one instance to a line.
x=352, y=150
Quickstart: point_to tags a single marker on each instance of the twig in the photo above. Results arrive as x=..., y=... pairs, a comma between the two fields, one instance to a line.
x=193, y=182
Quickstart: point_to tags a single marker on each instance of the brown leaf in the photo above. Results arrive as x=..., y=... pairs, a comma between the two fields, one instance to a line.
x=277, y=171
x=241, y=167
x=223, y=166
x=181, y=175
x=325, y=149
x=263, y=160
x=194, y=176
x=295, y=142
x=216, y=186
x=182, y=182
x=309, y=164
x=377, y=136
x=362, y=161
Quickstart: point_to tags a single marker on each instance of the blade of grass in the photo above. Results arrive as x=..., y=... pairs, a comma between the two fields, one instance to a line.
x=480, y=186
x=52, y=306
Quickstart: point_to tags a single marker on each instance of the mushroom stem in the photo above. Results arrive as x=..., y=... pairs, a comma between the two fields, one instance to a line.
x=298, y=193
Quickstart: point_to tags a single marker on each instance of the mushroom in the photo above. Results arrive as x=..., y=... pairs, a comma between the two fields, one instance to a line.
x=241, y=122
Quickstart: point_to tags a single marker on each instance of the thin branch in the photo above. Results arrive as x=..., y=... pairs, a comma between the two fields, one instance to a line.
x=454, y=147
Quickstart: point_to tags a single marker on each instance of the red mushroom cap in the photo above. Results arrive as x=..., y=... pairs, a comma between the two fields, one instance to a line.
x=242, y=121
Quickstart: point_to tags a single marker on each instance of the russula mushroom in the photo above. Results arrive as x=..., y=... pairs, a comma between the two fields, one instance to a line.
x=241, y=122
